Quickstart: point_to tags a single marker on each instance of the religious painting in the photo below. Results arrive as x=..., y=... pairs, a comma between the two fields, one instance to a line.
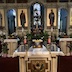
x=51, y=16
x=70, y=16
x=22, y=18
x=2, y=17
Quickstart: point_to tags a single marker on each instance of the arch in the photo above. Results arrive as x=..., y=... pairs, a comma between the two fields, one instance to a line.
x=62, y=20
x=37, y=1
x=11, y=20
x=37, y=8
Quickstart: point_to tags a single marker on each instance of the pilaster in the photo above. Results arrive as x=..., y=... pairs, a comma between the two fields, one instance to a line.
x=6, y=22
x=29, y=19
x=45, y=18
x=16, y=19
x=68, y=20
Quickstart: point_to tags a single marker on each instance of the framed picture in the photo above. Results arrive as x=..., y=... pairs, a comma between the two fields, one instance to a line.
x=51, y=16
x=22, y=18
x=2, y=21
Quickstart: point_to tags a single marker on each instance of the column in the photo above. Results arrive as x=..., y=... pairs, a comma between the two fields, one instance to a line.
x=6, y=21
x=54, y=64
x=22, y=65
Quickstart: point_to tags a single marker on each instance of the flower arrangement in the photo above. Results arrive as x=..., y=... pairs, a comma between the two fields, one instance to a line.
x=63, y=35
x=43, y=36
x=70, y=35
x=12, y=36
x=2, y=35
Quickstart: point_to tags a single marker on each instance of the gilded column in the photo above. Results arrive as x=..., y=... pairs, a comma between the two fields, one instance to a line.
x=29, y=19
x=45, y=18
x=16, y=19
x=57, y=21
x=68, y=20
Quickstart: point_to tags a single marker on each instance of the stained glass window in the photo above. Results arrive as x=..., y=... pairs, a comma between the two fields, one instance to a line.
x=37, y=14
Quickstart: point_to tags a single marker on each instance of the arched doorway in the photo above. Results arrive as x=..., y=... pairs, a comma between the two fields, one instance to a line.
x=62, y=20
x=37, y=15
x=11, y=18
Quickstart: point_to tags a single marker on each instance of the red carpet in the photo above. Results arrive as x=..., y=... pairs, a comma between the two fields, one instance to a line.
x=9, y=64
x=64, y=64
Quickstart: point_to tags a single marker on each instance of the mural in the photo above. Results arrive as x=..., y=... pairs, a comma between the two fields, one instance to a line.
x=22, y=18
x=51, y=16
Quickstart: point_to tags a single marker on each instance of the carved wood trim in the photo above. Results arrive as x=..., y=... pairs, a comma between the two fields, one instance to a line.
x=10, y=1
x=22, y=1
x=49, y=27
x=51, y=0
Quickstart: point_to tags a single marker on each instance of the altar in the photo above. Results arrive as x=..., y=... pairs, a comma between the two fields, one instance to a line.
x=38, y=60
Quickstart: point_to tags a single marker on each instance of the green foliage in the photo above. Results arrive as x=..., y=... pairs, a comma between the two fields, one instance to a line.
x=5, y=48
x=70, y=35
x=45, y=34
x=70, y=46
x=54, y=38
x=3, y=36
x=30, y=36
